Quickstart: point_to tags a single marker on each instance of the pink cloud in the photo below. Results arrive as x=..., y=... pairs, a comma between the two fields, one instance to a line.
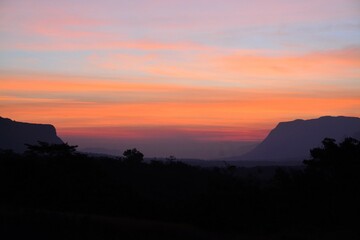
x=101, y=44
x=208, y=133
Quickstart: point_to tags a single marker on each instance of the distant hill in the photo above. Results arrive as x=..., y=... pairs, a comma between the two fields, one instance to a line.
x=13, y=135
x=293, y=140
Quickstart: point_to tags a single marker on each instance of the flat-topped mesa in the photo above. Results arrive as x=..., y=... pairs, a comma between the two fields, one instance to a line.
x=13, y=135
x=293, y=140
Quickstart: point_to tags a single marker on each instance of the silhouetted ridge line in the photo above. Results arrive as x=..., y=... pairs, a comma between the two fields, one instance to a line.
x=293, y=140
x=15, y=134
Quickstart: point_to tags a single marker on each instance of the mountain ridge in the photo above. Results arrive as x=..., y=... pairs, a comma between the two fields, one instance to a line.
x=14, y=135
x=293, y=140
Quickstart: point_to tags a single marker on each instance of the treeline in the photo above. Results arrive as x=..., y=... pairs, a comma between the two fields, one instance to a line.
x=56, y=191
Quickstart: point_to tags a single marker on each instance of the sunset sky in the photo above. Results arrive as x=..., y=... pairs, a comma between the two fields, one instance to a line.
x=190, y=78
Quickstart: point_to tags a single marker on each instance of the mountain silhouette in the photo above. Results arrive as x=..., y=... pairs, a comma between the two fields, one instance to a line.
x=293, y=140
x=13, y=135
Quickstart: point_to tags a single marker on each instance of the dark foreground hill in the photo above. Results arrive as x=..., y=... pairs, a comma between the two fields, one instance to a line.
x=54, y=192
x=13, y=135
x=293, y=140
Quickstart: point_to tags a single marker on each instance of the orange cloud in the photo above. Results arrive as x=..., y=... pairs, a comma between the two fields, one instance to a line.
x=343, y=63
x=248, y=68
x=54, y=83
x=227, y=113
x=76, y=105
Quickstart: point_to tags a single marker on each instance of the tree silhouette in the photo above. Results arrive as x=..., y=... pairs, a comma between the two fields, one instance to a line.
x=51, y=150
x=133, y=156
x=171, y=158
x=332, y=155
x=335, y=164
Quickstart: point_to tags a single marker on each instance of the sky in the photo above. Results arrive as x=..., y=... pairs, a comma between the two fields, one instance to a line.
x=203, y=79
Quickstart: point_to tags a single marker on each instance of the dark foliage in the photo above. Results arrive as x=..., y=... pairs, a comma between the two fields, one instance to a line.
x=54, y=192
x=335, y=157
x=50, y=150
x=133, y=156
